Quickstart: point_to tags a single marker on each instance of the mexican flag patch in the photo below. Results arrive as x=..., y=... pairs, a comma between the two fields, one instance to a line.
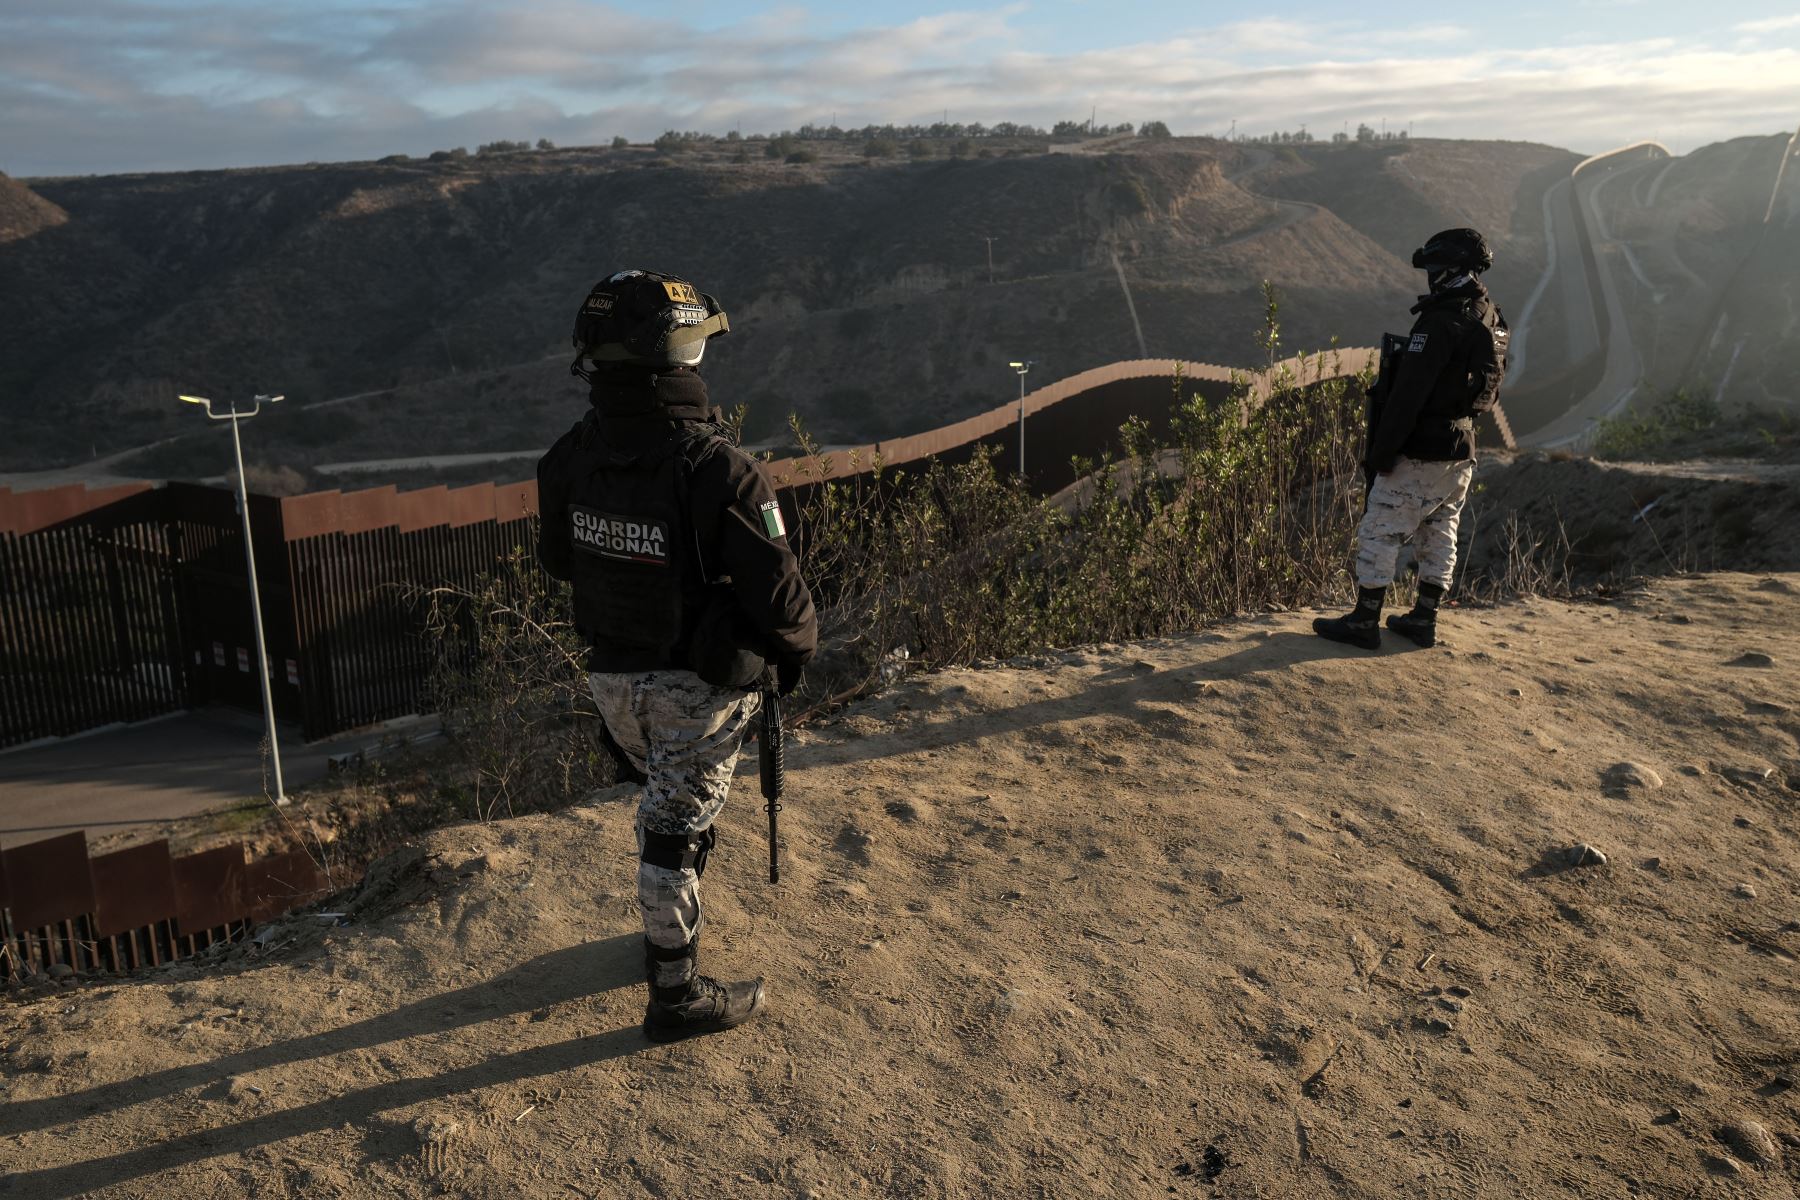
x=771, y=519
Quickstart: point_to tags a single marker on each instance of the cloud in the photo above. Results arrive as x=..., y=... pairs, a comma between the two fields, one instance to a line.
x=105, y=85
x=1768, y=24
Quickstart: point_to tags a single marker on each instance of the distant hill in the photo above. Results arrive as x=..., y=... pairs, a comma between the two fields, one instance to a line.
x=23, y=212
x=859, y=290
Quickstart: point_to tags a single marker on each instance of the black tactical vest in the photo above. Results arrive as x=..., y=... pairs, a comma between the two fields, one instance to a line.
x=638, y=582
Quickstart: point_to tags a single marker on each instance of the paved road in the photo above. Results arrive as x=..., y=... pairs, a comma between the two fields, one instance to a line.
x=137, y=777
x=1624, y=364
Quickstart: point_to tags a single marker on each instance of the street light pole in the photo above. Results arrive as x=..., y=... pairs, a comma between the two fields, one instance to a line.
x=243, y=497
x=1021, y=368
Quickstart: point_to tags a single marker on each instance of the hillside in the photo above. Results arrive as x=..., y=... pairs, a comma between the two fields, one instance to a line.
x=859, y=289
x=1239, y=914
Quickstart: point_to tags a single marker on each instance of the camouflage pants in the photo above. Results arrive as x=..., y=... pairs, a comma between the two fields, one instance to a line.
x=684, y=735
x=1420, y=501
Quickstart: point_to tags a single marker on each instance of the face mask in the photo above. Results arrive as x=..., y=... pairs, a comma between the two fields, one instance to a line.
x=1444, y=279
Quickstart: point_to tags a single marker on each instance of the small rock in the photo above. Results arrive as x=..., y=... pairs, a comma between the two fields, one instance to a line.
x=1742, y=822
x=1143, y=664
x=1515, y=693
x=1584, y=855
x=1752, y=658
x=1750, y=1142
x=1450, y=1004
x=61, y=971
x=1670, y=1117
x=1748, y=776
x=1746, y=891
x=1459, y=991
x=1718, y=1164
x=1653, y=864
x=1632, y=775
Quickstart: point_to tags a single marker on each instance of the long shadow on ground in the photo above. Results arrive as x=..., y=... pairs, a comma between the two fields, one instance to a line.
x=561, y=976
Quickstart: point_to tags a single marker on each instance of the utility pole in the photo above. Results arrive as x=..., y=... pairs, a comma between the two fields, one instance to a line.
x=1022, y=368
x=990, y=246
x=243, y=497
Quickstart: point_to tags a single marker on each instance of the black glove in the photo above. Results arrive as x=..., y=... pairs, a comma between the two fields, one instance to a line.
x=787, y=676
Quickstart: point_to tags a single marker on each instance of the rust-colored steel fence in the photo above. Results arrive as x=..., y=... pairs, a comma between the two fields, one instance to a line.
x=136, y=907
x=123, y=603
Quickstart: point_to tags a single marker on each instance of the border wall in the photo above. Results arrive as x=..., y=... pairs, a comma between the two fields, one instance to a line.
x=122, y=603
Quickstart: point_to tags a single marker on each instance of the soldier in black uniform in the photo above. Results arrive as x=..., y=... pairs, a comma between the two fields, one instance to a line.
x=686, y=591
x=1421, y=451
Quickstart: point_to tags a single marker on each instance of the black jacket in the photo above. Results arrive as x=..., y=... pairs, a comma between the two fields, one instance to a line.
x=729, y=523
x=1423, y=416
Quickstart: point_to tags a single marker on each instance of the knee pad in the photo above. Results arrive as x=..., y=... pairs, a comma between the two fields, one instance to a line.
x=678, y=851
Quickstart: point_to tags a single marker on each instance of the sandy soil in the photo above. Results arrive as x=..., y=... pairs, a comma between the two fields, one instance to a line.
x=1242, y=914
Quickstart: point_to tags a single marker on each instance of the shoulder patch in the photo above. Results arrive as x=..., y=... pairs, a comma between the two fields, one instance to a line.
x=1417, y=345
x=773, y=525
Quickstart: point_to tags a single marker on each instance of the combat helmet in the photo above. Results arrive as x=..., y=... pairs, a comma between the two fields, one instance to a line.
x=1454, y=250
x=646, y=319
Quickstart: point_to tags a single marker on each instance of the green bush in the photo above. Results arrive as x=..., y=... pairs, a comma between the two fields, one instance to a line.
x=620, y=142
x=881, y=148
x=1153, y=129
x=1665, y=427
x=802, y=155
x=1248, y=506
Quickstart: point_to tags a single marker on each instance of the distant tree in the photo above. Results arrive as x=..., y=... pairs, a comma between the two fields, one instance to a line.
x=545, y=144
x=880, y=147
x=780, y=146
x=961, y=148
x=918, y=148
x=397, y=158
x=1364, y=133
x=1069, y=129
x=802, y=155
x=1340, y=138
x=672, y=142
x=734, y=136
x=503, y=146
x=1153, y=129
x=619, y=143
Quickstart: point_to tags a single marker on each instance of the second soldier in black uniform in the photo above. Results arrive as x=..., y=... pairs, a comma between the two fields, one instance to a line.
x=1420, y=459
x=686, y=590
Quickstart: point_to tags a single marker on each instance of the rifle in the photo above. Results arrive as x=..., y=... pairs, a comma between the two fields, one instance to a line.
x=769, y=755
x=1393, y=345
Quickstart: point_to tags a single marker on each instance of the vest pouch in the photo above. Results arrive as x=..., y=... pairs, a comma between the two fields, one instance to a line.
x=717, y=648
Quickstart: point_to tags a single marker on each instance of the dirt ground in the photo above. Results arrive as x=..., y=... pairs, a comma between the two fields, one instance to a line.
x=1238, y=915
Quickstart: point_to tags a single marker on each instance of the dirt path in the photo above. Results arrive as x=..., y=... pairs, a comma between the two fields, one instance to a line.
x=1239, y=914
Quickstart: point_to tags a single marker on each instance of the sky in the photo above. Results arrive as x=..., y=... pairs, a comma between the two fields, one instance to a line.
x=101, y=86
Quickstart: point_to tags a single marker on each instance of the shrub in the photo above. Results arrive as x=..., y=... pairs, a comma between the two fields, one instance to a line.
x=802, y=155
x=545, y=144
x=1153, y=129
x=880, y=148
x=918, y=148
x=780, y=147
x=620, y=142
x=1670, y=421
x=1249, y=505
x=508, y=676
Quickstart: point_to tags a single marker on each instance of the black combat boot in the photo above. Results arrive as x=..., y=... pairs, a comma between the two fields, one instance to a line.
x=1420, y=625
x=700, y=1005
x=1359, y=627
